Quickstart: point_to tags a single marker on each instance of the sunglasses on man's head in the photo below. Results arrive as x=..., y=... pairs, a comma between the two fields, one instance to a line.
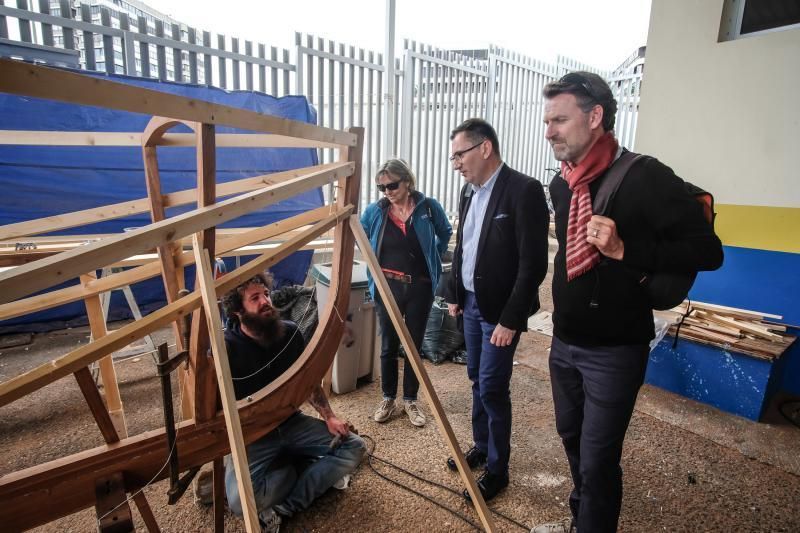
x=392, y=186
x=574, y=78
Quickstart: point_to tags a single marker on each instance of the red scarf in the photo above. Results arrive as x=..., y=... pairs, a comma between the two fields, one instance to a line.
x=582, y=256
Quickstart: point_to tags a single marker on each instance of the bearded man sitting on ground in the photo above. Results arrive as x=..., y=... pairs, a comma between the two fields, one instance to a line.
x=304, y=456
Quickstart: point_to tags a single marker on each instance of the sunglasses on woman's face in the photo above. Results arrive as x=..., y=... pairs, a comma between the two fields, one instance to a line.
x=392, y=186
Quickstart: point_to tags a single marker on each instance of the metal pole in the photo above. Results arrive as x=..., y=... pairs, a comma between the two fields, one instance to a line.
x=389, y=96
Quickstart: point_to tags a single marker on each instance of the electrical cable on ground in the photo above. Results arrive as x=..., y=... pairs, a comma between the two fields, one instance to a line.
x=478, y=527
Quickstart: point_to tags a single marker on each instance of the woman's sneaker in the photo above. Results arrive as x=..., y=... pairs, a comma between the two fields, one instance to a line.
x=414, y=414
x=385, y=410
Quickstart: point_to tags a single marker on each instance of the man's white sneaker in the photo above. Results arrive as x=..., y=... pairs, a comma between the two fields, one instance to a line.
x=270, y=521
x=414, y=414
x=342, y=483
x=385, y=410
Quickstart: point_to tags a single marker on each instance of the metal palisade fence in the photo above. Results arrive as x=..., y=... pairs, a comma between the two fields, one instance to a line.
x=433, y=90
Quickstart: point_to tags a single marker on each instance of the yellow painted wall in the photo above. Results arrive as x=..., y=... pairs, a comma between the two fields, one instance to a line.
x=726, y=116
x=765, y=228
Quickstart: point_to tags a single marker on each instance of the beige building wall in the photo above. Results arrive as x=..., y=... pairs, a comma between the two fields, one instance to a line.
x=726, y=116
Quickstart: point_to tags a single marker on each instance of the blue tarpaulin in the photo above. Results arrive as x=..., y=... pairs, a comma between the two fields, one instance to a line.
x=41, y=181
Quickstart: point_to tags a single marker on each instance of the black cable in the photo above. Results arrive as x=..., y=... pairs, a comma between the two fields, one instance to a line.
x=372, y=456
x=689, y=309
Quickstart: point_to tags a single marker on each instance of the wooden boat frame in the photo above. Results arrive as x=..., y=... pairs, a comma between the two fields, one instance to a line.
x=125, y=464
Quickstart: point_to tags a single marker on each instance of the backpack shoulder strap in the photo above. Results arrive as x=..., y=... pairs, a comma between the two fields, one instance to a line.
x=611, y=182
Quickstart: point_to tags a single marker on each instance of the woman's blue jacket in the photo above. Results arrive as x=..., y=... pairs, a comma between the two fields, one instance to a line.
x=428, y=220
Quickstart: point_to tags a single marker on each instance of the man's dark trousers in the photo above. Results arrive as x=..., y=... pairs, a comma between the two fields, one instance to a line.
x=594, y=391
x=489, y=368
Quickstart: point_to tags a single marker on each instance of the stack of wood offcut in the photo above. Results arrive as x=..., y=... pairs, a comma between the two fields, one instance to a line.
x=758, y=334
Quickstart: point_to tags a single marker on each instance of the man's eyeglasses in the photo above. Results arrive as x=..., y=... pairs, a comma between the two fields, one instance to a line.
x=576, y=79
x=458, y=156
x=392, y=186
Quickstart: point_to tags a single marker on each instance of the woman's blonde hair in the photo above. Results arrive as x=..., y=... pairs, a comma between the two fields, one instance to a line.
x=399, y=168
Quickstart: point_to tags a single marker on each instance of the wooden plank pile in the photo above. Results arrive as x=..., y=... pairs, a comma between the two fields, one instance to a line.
x=761, y=335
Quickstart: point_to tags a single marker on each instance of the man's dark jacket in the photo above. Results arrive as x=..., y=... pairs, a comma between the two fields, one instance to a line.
x=512, y=251
x=663, y=229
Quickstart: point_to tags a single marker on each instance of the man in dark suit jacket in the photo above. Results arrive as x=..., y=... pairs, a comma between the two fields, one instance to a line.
x=499, y=262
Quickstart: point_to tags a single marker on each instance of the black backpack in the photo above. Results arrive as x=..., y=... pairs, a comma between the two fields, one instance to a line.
x=665, y=289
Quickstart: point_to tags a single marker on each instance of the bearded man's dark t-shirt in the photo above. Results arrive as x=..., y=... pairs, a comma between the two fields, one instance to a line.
x=254, y=366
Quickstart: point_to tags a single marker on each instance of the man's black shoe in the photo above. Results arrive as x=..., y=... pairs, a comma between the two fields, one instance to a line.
x=475, y=459
x=490, y=485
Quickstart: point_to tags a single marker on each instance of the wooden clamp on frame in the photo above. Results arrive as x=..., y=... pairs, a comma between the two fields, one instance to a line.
x=177, y=486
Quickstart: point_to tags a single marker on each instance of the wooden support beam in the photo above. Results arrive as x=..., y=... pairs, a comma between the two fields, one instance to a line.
x=147, y=271
x=97, y=325
x=219, y=496
x=167, y=253
x=42, y=375
x=64, y=86
x=419, y=369
x=96, y=405
x=11, y=260
x=60, y=243
x=47, y=272
x=205, y=278
x=108, y=423
x=124, y=138
x=200, y=378
x=347, y=193
x=113, y=512
x=9, y=232
x=147, y=513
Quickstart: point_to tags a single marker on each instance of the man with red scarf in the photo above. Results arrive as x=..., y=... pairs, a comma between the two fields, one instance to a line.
x=602, y=318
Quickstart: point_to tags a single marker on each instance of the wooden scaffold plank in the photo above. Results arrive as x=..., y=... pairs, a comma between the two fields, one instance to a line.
x=205, y=279
x=97, y=325
x=63, y=86
x=9, y=232
x=152, y=269
x=416, y=363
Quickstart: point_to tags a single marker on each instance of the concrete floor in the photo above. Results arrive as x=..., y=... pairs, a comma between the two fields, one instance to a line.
x=772, y=441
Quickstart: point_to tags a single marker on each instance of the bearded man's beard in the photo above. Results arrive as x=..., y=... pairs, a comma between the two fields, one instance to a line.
x=269, y=328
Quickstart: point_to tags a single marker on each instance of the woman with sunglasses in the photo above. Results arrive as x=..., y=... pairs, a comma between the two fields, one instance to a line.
x=408, y=232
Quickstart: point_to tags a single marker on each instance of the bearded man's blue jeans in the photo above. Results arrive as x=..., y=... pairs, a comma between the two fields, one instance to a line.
x=293, y=464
